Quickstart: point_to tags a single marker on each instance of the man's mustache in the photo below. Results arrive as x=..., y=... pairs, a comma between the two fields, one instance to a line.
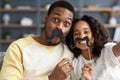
x=80, y=39
x=57, y=33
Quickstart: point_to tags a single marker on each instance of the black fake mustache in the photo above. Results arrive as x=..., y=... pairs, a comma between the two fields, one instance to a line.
x=80, y=39
x=57, y=33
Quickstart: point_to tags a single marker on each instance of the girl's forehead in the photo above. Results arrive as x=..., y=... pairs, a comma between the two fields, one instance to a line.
x=81, y=24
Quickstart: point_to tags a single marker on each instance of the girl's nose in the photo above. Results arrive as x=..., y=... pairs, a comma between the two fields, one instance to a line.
x=81, y=35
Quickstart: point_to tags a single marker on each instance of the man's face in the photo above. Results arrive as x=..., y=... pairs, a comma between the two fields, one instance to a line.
x=59, y=18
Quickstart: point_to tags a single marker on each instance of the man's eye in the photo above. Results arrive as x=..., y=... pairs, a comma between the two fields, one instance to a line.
x=55, y=20
x=66, y=24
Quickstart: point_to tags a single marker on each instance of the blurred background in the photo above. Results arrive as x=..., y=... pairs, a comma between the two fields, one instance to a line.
x=19, y=18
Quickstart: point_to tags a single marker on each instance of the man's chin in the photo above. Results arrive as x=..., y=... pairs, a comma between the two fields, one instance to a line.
x=54, y=43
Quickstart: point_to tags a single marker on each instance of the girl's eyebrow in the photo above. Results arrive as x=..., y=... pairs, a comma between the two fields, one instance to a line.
x=83, y=28
x=86, y=28
x=76, y=30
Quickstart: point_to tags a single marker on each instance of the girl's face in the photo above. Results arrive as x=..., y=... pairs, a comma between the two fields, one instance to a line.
x=81, y=30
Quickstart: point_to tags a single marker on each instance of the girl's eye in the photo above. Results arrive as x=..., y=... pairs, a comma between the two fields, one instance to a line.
x=86, y=32
x=75, y=34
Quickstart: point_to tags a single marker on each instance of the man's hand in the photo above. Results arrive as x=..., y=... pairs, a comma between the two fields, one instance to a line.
x=62, y=70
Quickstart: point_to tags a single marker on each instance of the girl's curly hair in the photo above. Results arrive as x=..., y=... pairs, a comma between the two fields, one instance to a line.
x=99, y=32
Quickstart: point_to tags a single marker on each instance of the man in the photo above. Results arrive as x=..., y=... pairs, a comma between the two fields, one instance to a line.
x=42, y=57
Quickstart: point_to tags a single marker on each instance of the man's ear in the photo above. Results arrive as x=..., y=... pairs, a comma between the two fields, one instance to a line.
x=45, y=18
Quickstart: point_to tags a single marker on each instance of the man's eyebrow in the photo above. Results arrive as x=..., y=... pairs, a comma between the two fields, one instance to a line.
x=70, y=18
x=56, y=13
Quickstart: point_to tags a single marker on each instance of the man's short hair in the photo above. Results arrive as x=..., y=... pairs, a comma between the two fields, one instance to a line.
x=63, y=4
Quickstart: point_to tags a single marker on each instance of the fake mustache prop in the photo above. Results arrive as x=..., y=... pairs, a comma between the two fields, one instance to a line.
x=57, y=33
x=80, y=39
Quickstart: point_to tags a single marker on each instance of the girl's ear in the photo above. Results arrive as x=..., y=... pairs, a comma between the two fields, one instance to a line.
x=92, y=40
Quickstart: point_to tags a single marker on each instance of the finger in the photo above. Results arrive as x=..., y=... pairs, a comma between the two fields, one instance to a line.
x=85, y=69
x=88, y=69
x=67, y=68
x=90, y=66
x=68, y=72
x=64, y=61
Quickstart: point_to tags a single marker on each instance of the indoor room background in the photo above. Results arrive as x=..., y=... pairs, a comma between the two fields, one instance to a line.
x=19, y=18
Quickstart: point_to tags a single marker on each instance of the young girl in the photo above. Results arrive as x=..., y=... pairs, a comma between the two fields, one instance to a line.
x=90, y=43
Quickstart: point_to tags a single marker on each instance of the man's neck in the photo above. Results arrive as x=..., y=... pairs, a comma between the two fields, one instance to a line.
x=42, y=39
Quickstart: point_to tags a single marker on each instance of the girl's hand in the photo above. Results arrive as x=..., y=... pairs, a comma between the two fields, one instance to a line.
x=87, y=71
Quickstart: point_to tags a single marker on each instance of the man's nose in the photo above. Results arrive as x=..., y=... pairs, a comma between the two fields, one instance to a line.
x=60, y=26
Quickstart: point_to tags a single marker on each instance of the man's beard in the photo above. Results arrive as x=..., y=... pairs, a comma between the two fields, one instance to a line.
x=56, y=33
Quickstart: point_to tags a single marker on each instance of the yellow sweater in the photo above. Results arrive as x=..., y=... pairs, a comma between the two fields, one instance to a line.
x=27, y=59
